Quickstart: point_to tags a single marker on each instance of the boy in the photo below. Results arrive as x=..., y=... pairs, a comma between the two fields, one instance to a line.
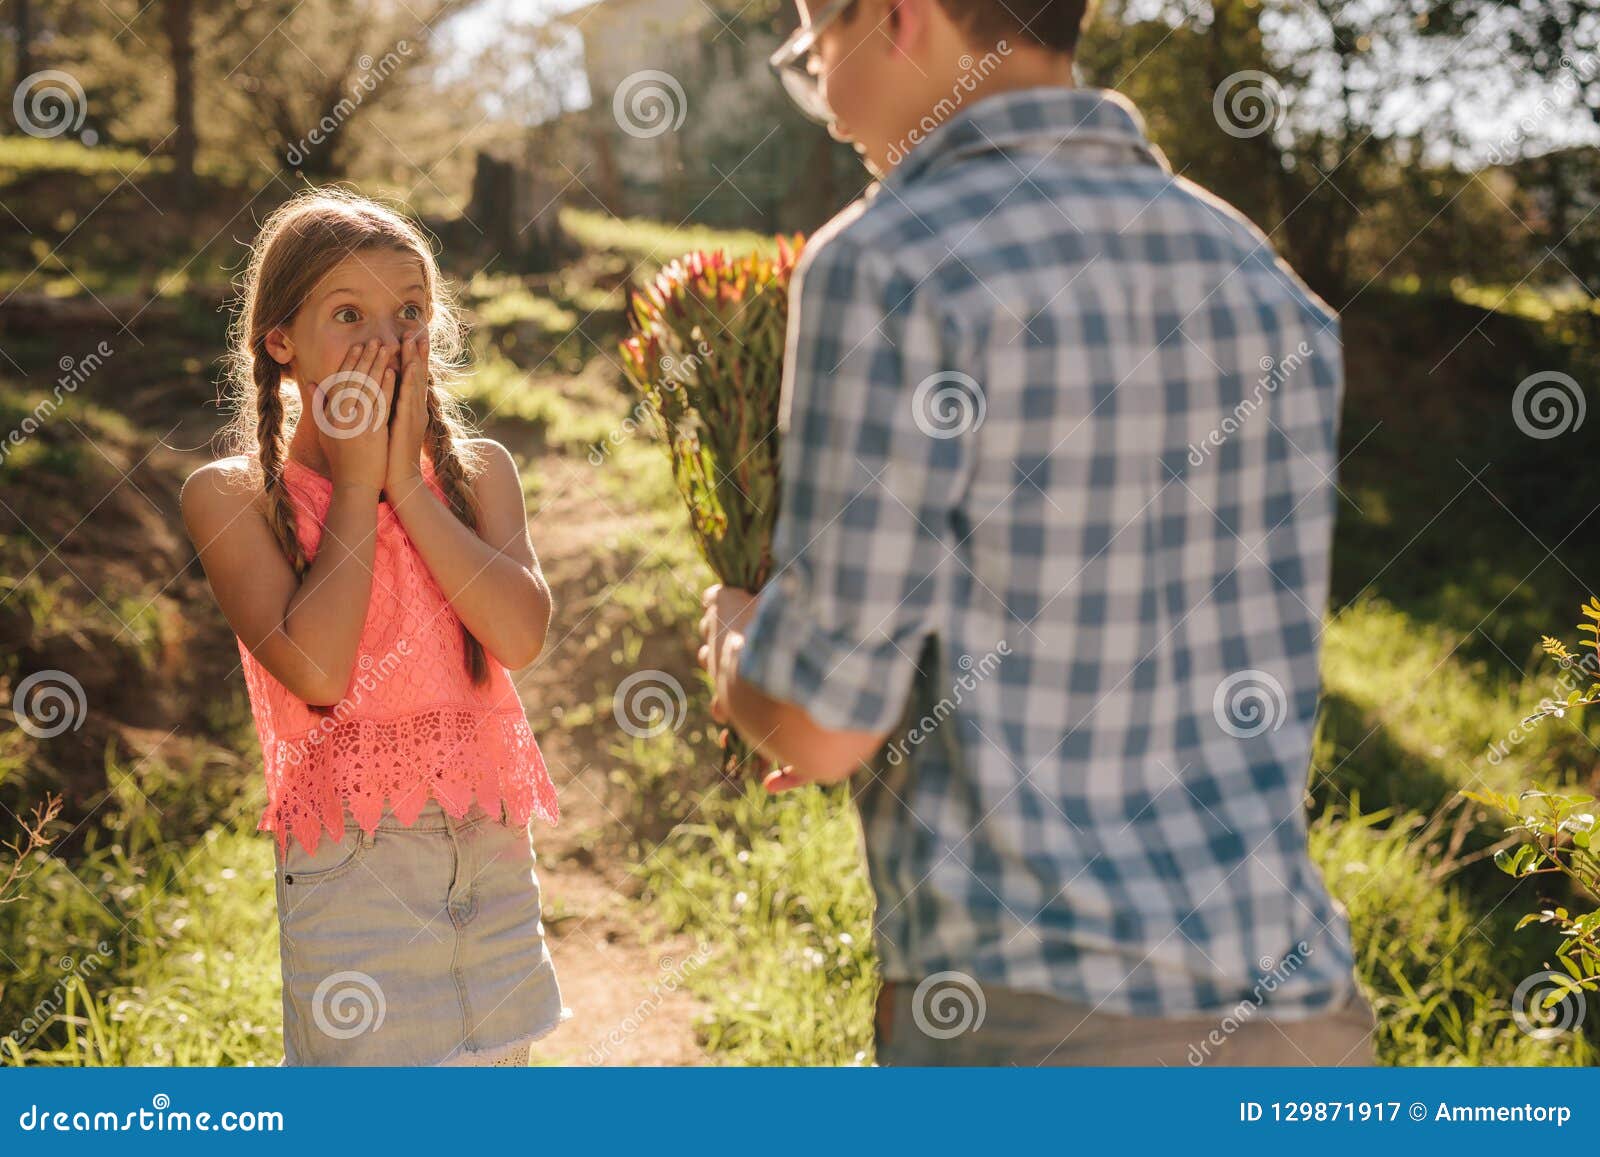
x=1051, y=561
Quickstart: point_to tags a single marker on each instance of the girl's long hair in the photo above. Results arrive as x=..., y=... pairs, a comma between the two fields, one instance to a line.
x=300, y=243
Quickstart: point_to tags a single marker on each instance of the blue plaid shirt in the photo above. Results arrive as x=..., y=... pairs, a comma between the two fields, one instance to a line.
x=1057, y=499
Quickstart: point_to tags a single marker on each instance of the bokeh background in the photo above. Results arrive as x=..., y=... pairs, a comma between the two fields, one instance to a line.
x=1430, y=168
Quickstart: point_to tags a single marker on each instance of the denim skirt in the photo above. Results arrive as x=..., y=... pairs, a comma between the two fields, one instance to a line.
x=414, y=945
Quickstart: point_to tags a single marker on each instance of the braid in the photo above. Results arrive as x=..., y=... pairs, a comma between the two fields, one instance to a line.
x=269, y=442
x=268, y=375
x=451, y=473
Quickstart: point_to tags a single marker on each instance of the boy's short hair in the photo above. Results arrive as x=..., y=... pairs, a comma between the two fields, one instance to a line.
x=1054, y=24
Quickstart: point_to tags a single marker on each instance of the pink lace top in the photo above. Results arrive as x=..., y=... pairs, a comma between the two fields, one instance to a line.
x=411, y=724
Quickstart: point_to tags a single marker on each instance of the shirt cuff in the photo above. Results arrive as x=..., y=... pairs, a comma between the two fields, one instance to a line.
x=844, y=684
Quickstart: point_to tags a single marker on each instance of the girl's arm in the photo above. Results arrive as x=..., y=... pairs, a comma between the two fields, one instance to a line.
x=492, y=578
x=307, y=634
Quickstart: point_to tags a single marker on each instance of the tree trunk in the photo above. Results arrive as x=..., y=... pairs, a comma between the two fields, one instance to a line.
x=492, y=206
x=179, y=19
x=542, y=243
x=22, y=29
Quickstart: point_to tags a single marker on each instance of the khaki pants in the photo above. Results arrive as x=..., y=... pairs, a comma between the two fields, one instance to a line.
x=1029, y=1028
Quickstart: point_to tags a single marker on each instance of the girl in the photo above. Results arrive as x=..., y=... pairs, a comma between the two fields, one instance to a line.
x=375, y=565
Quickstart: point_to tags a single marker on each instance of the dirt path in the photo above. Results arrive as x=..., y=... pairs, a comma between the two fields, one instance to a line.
x=623, y=983
x=622, y=979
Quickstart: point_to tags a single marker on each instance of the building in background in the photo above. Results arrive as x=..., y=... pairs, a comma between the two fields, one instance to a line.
x=688, y=124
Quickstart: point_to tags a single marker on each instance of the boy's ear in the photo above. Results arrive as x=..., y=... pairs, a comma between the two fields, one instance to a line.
x=906, y=23
x=279, y=346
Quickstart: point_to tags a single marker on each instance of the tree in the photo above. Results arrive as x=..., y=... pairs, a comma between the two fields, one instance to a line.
x=179, y=21
x=1557, y=39
x=22, y=31
x=312, y=70
x=1285, y=108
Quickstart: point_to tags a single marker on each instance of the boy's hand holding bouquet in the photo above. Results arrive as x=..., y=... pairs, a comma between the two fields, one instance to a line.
x=707, y=355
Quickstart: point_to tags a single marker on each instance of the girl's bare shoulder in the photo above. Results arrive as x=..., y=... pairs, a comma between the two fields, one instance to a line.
x=496, y=471
x=490, y=459
x=218, y=492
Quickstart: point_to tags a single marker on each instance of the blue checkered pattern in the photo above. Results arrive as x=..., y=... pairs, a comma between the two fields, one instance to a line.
x=1057, y=498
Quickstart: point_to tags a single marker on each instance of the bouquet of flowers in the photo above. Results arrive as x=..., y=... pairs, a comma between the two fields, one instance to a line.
x=706, y=353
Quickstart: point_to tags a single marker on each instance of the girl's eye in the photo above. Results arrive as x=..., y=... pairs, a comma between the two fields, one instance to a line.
x=411, y=312
x=346, y=313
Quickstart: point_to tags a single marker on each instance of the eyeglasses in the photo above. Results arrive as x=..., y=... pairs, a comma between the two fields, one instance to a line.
x=792, y=62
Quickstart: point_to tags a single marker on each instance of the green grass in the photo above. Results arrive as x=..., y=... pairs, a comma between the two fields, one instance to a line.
x=1428, y=671
x=1526, y=301
x=776, y=885
x=1406, y=724
x=81, y=223
x=515, y=304
x=146, y=949
x=25, y=154
x=1425, y=950
x=651, y=243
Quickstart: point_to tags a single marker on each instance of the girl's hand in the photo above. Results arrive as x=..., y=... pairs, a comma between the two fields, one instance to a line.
x=410, y=419
x=351, y=410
